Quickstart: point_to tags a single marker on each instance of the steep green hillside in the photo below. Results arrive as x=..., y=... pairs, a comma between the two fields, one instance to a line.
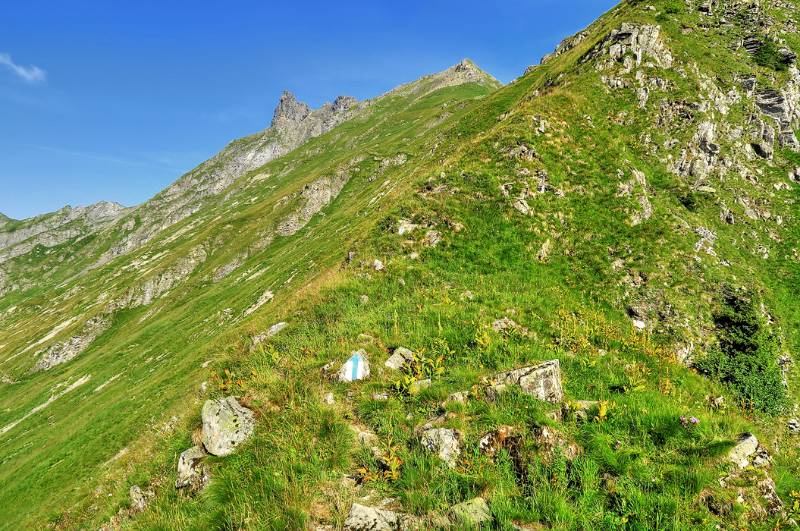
x=628, y=208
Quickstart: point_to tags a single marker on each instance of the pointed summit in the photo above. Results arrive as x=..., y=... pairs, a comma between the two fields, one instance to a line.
x=290, y=109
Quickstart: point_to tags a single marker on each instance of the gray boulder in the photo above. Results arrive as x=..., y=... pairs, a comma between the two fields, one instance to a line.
x=443, y=442
x=192, y=473
x=226, y=424
x=794, y=426
x=541, y=381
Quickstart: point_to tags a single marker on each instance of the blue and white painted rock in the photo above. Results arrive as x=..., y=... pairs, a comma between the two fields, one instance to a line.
x=355, y=368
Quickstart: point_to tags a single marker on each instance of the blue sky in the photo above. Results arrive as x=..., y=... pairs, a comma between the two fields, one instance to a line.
x=115, y=100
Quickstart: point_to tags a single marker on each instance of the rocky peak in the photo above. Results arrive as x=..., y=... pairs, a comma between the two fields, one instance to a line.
x=290, y=109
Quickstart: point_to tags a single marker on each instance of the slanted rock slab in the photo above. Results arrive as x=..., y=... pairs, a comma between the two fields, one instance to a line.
x=541, y=381
x=226, y=424
x=473, y=513
x=192, y=473
x=746, y=446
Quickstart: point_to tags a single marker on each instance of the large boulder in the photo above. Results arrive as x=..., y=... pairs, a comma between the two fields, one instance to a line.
x=541, y=381
x=226, y=424
x=443, y=442
x=192, y=472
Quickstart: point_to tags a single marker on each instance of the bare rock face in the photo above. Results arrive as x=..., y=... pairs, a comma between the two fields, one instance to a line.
x=67, y=350
x=633, y=45
x=192, y=473
x=315, y=196
x=541, y=381
x=226, y=424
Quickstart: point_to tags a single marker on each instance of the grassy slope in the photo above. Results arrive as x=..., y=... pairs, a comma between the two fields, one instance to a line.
x=639, y=468
x=54, y=458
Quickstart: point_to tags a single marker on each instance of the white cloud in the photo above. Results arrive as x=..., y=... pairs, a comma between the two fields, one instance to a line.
x=29, y=74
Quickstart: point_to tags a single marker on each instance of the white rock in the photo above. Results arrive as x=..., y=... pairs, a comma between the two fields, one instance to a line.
x=405, y=227
x=377, y=265
x=226, y=424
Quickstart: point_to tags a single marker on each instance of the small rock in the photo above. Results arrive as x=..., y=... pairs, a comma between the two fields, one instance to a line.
x=794, y=426
x=363, y=518
x=504, y=437
x=192, y=473
x=329, y=399
x=364, y=299
x=418, y=386
x=550, y=442
x=432, y=238
x=459, y=397
x=505, y=325
x=138, y=499
x=522, y=206
x=745, y=447
x=399, y=358
x=581, y=408
x=355, y=368
x=761, y=458
x=203, y=388
x=271, y=332
x=380, y=397
x=473, y=513
x=639, y=324
x=542, y=381
x=226, y=424
x=467, y=296
x=377, y=265
x=443, y=442
x=405, y=227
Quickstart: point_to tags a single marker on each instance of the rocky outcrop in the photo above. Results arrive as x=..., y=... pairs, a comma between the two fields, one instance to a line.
x=65, y=351
x=158, y=285
x=462, y=73
x=566, y=45
x=540, y=381
x=746, y=446
x=631, y=45
x=315, y=197
x=226, y=424
x=473, y=513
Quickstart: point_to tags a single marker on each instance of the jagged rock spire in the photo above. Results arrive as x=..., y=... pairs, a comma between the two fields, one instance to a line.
x=290, y=109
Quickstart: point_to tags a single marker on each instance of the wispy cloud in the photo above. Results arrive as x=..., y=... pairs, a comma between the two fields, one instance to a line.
x=29, y=74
